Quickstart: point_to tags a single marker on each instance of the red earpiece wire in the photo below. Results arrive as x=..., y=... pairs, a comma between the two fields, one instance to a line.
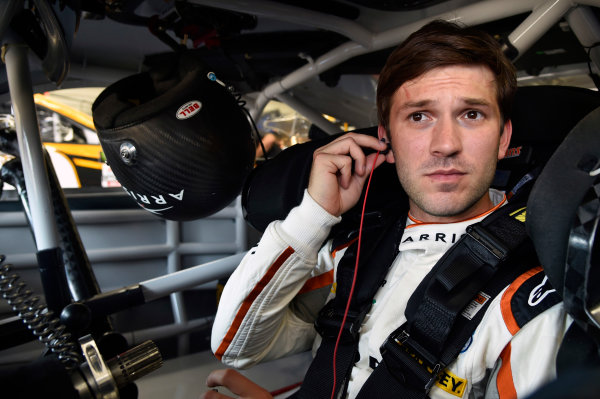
x=362, y=215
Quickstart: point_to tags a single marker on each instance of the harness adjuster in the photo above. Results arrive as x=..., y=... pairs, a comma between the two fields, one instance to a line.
x=410, y=363
x=329, y=321
x=488, y=241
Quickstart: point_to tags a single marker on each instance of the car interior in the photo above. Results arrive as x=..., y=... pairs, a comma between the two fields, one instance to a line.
x=555, y=144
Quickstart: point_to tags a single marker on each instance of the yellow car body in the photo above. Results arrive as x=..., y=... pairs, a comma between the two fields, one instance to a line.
x=69, y=136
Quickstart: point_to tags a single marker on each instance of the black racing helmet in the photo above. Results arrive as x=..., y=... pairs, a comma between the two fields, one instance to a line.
x=176, y=139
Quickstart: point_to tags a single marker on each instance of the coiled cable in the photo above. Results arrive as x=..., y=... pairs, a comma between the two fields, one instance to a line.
x=41, y=321
x=242, y=104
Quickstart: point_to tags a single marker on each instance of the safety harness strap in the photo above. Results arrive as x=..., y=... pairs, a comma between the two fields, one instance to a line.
x=378, y=250
x=448, y=305
x=462, y=273
x=442, y=313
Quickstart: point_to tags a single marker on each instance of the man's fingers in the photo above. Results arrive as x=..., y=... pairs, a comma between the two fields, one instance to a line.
x=213, y=394
x=353, y=144
x=222, y=377
x=339, y=165
x=373, y=161
x=236, y=383
x=377, y=158
x=345, y=166
x=339, y=171
x=363, y=140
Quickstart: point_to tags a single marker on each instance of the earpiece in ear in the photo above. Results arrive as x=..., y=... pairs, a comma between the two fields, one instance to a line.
x=381, y=133
x=388, y=148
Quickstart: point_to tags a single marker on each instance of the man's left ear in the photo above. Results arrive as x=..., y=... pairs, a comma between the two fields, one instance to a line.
x=505, y=139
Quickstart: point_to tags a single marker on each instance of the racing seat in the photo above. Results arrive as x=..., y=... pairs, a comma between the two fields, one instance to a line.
x=562, y=220
x=554, y=136
x=275, y=187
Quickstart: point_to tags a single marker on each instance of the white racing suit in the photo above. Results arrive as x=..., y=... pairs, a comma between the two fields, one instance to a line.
x=271, y=301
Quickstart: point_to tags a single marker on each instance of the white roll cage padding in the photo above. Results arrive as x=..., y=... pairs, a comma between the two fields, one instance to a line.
x=543, y=15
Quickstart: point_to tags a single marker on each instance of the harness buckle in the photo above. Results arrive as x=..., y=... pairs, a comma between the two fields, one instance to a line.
x=410, y=363
x=488, y=241
x=329, y=321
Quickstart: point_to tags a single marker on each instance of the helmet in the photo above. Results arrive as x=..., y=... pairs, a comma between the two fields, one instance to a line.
x=176, y=139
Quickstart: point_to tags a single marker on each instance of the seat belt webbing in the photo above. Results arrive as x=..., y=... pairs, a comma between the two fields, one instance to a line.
x=435, y=307
x=379, y=248
x=437, y=326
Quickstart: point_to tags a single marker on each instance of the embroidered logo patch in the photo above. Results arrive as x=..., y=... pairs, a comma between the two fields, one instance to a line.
x=513, y=152
x=520, y=214
x=539, y=292
x=451, y=383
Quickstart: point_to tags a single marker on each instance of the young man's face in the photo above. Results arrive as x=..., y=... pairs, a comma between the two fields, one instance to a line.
x=446, y=138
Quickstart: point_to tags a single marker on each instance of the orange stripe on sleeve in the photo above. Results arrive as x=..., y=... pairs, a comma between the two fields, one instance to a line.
x=504, y=381
x=345, y=245
x=505, y=308
x=241, y=314
x=324, y=279
x=320, y=281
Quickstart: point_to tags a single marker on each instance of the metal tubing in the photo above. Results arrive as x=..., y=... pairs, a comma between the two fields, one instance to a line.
x=329, y=60
x=477, y=13
x=296, y=15
x=473, y=14
x=166, y=331
x=593, y=3
x=158, y=250
x=164, y=285
x=537, y=23
x=174, y=265
x=25, y=261
x=315, y=117
x=594, y=315
x=241, y=228
x=584, y=24
x=30, y=147
x=586, y=27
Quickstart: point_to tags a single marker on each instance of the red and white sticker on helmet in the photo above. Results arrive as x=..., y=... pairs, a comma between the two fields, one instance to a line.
x=189, y=109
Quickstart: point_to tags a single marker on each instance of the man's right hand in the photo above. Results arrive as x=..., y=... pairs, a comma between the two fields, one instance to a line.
x=235, y=382
x=339, y=171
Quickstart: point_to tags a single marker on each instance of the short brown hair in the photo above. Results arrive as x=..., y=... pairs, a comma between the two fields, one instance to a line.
x=439, y=44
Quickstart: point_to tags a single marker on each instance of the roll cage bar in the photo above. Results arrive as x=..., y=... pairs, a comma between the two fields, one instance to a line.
x=543, y=15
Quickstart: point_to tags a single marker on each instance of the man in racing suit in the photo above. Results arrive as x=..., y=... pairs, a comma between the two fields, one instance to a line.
x=444, y=100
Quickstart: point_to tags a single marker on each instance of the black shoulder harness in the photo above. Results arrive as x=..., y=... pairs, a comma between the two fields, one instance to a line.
x=489, y=257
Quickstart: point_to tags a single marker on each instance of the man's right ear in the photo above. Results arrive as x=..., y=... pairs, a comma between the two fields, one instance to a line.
x=383, y=136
